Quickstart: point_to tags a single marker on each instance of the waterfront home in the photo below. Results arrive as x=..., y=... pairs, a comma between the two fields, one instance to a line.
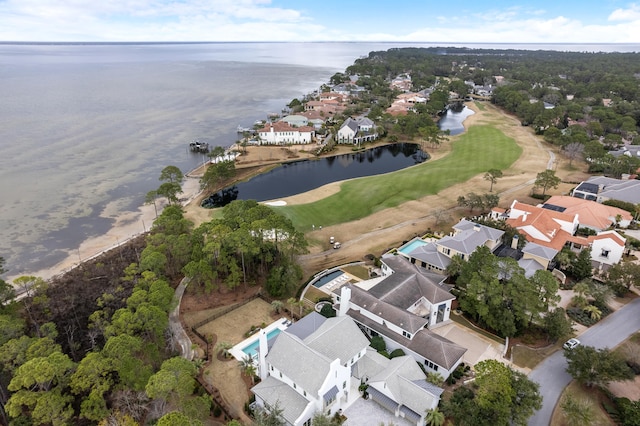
x=356, y=131
x=318, y=364
x=281, y=133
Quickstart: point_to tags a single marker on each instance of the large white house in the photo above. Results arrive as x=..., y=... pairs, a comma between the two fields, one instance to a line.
x=318, y=364
x=282, y=133
x=308, y=368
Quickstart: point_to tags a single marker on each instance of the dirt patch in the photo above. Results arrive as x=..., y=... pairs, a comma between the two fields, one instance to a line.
x=225, y=374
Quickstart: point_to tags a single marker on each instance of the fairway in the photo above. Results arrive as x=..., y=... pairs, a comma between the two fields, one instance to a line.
x=479, y=149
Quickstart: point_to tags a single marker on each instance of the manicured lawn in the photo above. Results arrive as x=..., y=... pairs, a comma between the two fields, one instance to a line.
x=479, y=149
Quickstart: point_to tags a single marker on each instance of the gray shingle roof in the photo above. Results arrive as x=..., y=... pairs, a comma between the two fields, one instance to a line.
x=469, y=237
x=276, y=393
x=390, y=313
x=409, y=283
x=425, y=343
x=306, y=325
x=429, y=253
x=540, y=251
x=300, y=363
x=338, y=337
x=307, y=362
x=403, y=378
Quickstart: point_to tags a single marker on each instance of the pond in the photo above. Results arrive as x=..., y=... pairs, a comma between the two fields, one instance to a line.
x=302, y=176
x=452, y=120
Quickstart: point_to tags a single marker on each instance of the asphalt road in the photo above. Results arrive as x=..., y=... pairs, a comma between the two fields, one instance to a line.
x=551, y=373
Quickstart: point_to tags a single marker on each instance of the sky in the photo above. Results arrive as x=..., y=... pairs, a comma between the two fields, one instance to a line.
x=428, y=21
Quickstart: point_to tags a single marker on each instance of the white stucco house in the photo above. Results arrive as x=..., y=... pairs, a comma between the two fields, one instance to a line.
x=282, y=133
x=318, y=365
x=308, y=368
x=607, y=248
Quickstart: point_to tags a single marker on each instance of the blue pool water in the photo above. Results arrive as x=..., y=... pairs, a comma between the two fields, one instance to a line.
x=327, y=278
x=412, y=246
x=252, y=349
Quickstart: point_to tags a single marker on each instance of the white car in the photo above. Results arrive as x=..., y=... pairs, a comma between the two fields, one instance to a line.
x=571, y=343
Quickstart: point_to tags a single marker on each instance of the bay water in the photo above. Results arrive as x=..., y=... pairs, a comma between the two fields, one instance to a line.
x=85, y=129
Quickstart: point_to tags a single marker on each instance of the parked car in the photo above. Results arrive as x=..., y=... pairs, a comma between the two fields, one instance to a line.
x=337, y=245
x=571, y=344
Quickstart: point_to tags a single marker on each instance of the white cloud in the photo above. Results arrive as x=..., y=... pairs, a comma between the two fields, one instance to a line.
x=632, y=13
x=251, y=20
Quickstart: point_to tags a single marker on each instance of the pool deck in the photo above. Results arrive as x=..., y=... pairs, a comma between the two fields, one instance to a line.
x=237, y=350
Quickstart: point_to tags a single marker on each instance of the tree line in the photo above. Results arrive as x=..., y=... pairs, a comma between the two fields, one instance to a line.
x=94, y=346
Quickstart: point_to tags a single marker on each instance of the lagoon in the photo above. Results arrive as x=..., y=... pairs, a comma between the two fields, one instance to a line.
x=301, y=176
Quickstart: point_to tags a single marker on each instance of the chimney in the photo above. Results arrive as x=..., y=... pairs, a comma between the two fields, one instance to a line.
x=476, y=227
x=514, y=242
x=345, y=300
x=262, y=354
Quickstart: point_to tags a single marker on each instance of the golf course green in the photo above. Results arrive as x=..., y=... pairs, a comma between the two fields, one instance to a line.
x=479, y=149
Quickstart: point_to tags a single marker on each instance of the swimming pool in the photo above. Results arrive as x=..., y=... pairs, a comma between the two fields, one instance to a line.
x=327, y=278
x=408, y=248
x=252, y=349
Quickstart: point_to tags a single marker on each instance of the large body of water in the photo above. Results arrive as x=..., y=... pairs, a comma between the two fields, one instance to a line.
x=85, y=129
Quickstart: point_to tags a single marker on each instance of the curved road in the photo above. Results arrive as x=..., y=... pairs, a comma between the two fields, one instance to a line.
x=551, y=373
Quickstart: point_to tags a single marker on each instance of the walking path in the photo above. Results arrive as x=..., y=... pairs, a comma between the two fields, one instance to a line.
x=186, y=346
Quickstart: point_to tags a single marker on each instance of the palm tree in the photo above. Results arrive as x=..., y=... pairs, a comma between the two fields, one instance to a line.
x=593, y=311
x=576, y=412
x=277, y=306
x=224, y=348
x=434, y=417
x=248, y=367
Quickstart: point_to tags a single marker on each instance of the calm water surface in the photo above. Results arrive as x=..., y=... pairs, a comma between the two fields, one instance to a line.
x=302, y=176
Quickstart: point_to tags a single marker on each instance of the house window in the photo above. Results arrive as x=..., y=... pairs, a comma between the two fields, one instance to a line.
x=446, y=251
x=435, y=367
x=604, y=253
x=344, y=384
x=294, y=386
x=281, y=374
x=308, y=422
x=405, y=334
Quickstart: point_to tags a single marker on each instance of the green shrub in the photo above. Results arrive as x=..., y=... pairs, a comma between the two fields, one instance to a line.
x=396, y=353
x=384, y=354
x=378, y=344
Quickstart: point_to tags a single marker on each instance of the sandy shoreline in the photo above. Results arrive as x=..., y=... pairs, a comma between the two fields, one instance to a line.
x=127, y=226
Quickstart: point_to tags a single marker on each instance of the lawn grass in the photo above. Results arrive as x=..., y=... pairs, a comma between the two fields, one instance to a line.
x=479, y=149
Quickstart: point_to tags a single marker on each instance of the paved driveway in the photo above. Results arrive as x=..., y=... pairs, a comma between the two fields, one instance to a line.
x=479, y=347
x=551, y=373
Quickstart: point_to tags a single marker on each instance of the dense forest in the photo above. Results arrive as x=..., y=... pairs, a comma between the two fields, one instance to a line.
x=94, y=346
